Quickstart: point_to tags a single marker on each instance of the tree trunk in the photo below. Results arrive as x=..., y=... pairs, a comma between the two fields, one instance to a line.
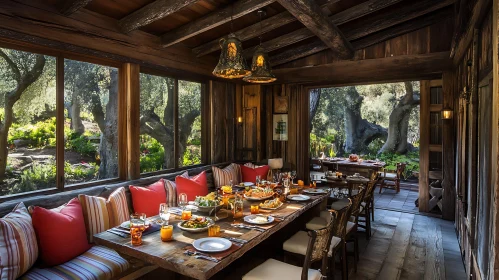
x=24, y=80
x=108, y=148
x=75, y=114
x=399, y=123
x=359, y=132
x=315, y=97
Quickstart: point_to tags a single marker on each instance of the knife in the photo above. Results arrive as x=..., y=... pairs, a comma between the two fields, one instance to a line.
x=117, y=233
x=237, y=240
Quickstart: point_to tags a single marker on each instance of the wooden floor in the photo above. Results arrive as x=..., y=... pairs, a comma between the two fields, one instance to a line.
x=409, y=246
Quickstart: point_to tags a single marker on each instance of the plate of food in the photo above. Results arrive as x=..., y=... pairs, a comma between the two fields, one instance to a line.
x=298, y=197
x=272, y=204
x=207, y=203
x=259, y=194
x=196, y=224
x=258, y=219
x=246, y=184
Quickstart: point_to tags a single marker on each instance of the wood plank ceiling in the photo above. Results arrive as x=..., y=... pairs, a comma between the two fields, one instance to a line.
x=291, y=29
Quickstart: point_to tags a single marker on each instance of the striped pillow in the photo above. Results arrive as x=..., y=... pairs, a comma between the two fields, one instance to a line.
x=117, y=207
x=171, y=190
x=18, y=247
x=223, y=176
x=95, y=214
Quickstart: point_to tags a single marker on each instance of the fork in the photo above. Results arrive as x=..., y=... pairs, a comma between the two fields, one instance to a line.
x=199, y=255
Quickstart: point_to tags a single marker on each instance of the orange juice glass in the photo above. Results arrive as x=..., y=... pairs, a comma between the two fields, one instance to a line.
x=254, y=209
x=225, y=199
x=166, y=233
x=293, y=190
x=186, y=215
x=214, y=231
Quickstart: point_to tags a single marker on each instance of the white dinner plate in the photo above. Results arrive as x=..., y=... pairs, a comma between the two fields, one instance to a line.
x=258, y=198
x=315, y=191
x=251, y=219
x=212, y=244
x=298, y=197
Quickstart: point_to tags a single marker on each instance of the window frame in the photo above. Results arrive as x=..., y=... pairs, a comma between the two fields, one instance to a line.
x=177, y=78
x=123, y=155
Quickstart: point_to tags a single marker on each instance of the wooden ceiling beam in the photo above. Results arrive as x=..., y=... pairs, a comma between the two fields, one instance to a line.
x=371, y=26
x=152, y=12
x=68, y=7
x=310, y=14
x=340, y=18
x=212, y=20
x=256, y=29
x=347, y=72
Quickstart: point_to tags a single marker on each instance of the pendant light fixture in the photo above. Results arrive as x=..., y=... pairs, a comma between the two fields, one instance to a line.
x=231, y=64
x=261, y=71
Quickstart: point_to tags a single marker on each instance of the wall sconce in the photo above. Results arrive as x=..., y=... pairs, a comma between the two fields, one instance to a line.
x=240, y=121
x=446, y=113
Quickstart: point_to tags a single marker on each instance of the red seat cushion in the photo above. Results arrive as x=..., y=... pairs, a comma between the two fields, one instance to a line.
x=61, y=234
x=193, y=186
x=249, y=174
x=147, y=199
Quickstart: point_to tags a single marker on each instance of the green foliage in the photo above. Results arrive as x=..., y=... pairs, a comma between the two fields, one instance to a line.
x=411, y=159
x=39, y=176
x=192, y=156
x=78, y=173
x=39, y=134
x=152, y=154
x=81, y=145
x=325, y=145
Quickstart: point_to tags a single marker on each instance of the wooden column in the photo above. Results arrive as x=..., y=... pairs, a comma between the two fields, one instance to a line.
x=495, y=140
x=59, y=131
x=424, y=143
x=448, y=150
x=131, y=83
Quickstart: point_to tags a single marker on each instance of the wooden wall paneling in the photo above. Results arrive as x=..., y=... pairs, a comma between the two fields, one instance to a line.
x=132, y=90
x=239, y=126
x=471, y=169
x=230, y=121
x=418, y=41
x=60, y=143
x=396, y=46
x=252, y=106
x=424, y=141
x=375, y=51
x=268, y=92
x=293, y=121
x=448, y=146
x=440, y=35
x=485, y=54
x=495, y=140
x=303, y=133
x=218, y=121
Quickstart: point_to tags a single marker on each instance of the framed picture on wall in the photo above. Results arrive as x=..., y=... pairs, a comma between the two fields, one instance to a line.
x=280, y=104
x=280, y=127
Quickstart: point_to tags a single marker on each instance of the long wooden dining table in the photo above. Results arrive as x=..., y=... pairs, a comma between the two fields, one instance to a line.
x=364, y=167
x=171, y=255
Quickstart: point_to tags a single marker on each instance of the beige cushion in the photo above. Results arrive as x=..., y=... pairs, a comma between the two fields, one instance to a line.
x=276, y=270
x=389, y=176
x=334, y=242
x=316, y=223
x=350, y=226
x=297, y=243
x=339, y=204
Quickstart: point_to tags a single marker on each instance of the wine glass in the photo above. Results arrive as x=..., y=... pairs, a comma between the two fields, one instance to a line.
x=293, y=176
x=182, y=200
x=163, y=213
x=258, y=180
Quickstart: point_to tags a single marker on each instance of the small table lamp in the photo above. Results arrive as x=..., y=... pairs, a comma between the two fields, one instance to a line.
x=275, y=164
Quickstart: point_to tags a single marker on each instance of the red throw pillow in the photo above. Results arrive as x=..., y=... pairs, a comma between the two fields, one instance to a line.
x=61, y=234
x=193, y=186
x=147, y=199
x=249, y=174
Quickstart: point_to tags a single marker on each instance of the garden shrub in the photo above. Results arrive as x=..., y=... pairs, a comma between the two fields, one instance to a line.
x=82, y=145
x=39, y=176
x=79, y=173
x=39, y=134
x=152, y=154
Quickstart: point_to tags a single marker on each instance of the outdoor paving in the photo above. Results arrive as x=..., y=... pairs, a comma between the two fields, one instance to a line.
x=402, y=201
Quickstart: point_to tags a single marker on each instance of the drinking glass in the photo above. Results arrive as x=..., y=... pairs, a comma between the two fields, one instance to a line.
x=186, y=215
x=166, y=233
x=137, y=226
x=254, y=209
x=258, y=180
x=293, y=176
x=214, y=231
x=182, y=200
x=163, y=213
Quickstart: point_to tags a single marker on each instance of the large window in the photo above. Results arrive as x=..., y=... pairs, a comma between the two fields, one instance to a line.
x=91, y=122
x=27, y=121
x=160, y=141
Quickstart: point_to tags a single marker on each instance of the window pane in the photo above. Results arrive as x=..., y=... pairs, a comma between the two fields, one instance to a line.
x=189, y=122
x=436, y=95
x=27, y=119
x=91, y=125
x=156, y=123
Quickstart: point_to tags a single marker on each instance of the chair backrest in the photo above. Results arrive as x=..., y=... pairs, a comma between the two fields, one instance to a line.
x=400, y=169
x=356, y=201
x=318, y=247
x=342, y=216
x=370, y=189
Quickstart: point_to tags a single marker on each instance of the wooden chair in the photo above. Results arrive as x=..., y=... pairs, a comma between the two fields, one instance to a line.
x=392, y=180
x=367, y=208
x=316, y=250
x=351, y=227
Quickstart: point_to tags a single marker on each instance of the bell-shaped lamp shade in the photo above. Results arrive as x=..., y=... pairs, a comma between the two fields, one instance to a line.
x=231, y=64
x=275, y=163
x=447, y=114
x=261, y=72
